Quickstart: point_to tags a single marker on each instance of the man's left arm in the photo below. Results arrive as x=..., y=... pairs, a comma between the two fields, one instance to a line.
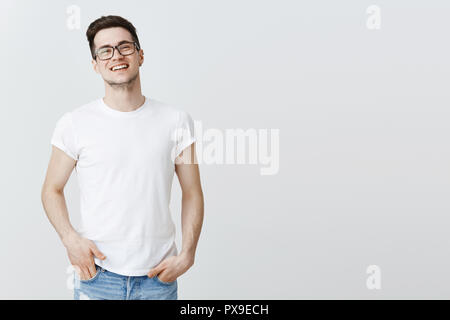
x=192, y=211
x=192, y=205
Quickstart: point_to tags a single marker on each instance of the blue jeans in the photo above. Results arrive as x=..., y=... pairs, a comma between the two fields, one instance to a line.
x=106, y=285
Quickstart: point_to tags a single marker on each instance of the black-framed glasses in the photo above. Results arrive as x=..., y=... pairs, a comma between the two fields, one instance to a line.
x=125, y=49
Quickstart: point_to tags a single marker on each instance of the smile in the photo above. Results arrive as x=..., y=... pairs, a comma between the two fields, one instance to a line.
x=119, y=67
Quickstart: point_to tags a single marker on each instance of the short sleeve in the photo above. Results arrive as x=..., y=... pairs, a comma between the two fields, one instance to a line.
x=184, y=133
x=64, y=136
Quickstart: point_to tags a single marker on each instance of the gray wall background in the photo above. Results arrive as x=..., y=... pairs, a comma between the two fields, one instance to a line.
x=363, y=115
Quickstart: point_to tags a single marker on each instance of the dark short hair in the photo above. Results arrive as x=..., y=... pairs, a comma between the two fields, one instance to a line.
x=105, y=22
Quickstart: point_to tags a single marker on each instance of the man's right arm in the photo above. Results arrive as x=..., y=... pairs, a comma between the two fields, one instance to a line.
x=80, y=250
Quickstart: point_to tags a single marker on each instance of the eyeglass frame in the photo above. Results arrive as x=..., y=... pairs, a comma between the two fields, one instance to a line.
x=117, y=48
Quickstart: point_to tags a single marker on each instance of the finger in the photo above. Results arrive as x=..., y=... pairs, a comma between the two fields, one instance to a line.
x=167, y=277
x=85, y=275
x=92, y=270
x=97, y=252
x=154, y=271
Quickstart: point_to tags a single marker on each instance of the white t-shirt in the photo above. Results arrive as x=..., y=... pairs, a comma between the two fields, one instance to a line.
x=125, y=168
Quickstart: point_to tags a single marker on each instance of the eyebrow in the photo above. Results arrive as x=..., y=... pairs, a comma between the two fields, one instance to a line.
x=109, y=45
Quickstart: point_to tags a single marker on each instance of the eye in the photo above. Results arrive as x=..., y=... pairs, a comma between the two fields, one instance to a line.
x=126, y=47
x=104, y=51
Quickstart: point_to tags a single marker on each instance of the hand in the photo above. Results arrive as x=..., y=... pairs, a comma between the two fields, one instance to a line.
x=171, y=268
x=81, y=251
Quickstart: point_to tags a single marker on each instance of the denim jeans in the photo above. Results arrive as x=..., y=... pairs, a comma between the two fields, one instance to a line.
x=106, y=285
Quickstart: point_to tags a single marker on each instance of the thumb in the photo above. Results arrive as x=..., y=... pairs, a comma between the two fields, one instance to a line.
x=153, y=271
x=97, y=252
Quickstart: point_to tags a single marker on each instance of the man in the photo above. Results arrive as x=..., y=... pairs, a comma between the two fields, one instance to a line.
x=125, y=148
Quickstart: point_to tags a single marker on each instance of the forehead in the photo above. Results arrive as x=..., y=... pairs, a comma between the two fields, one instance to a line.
x=111, y=36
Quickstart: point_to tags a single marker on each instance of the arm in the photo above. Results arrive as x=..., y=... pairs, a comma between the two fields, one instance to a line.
x=192, y=207
x=191, y=218
x=52, y=195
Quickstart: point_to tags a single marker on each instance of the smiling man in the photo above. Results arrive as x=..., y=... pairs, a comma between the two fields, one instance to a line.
x=125, y=148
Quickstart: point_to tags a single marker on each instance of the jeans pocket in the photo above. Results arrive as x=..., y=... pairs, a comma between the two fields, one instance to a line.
x=98, y=270
x=163, y=282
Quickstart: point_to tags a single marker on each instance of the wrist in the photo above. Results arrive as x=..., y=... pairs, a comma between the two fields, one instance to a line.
x=188, y=256
x=69, y=237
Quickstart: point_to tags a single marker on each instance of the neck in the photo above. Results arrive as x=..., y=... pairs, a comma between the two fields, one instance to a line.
x=124, y=97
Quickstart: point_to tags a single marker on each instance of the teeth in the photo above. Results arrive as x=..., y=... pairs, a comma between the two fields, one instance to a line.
x=119, y=67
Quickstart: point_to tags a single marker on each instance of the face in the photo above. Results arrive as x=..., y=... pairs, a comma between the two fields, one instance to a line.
x=120, y=77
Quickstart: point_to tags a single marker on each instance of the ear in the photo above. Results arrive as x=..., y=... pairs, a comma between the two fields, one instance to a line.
x=141, y=57
x=95, y=65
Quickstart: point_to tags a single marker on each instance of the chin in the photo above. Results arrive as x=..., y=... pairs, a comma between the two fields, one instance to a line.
x=122, y=82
